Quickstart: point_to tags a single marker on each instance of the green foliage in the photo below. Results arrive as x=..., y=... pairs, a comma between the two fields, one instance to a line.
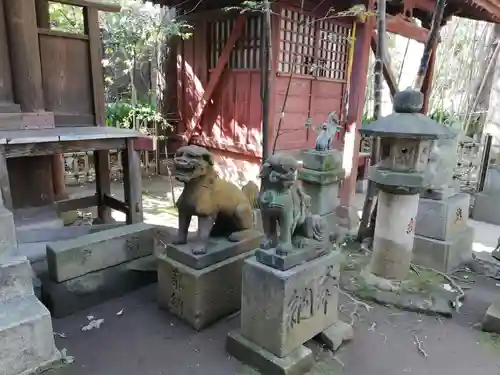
x=123, y=115
x=67, y=18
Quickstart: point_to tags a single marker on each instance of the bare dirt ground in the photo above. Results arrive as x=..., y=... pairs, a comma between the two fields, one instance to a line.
x=144, y=340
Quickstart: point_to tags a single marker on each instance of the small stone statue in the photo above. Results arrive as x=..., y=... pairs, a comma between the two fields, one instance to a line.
x=288, y=224
x=223, y=210
x=327, y=131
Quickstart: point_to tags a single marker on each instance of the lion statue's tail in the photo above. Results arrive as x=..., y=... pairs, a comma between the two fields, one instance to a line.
x=251, y=191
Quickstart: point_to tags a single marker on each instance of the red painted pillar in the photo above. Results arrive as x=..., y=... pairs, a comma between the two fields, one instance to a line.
x=354, y=118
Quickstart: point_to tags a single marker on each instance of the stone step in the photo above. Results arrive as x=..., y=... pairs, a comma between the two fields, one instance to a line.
x=7, y=231
x=27, y=336
x=9, y=108
x=11, y=121
x=15, y=278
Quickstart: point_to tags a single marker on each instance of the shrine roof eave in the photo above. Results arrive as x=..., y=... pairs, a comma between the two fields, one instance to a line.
x=481, y=10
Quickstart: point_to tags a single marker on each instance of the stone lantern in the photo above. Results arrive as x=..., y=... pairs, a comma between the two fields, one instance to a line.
x=405, y=141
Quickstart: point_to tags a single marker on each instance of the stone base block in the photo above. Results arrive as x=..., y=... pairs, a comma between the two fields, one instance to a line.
x=487, y=208
x=298, y=362
x=322, y=160
x=285, y=262
x=26, y=336
x=94, y=288
x=200, y=297
x=491, y=321
x=93, y=252
x=60, y=234
x=281, y=310
x=442, y=219
x=324, y=198
x=336, y=335
x=444, y=256
x=218, y=249
x=347, y=218
x=7, y=230
x=15, y=278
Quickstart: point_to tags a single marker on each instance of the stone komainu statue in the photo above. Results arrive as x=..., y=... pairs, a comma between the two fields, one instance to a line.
x=223, y=209
x=288, y=224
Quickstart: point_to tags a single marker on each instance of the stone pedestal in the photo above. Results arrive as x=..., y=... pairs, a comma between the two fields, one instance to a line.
x=443, y=240
x=200, y=289
x=320, y=177
x=7, y=231
x=282, y=310
x=491, y=321
x=394, y=235
x=27, y=343
x=487, y=203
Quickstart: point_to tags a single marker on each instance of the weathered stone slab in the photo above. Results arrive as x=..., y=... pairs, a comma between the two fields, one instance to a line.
x=324, y=198
x=322, y=160
x=60, y=234
x=487, y=207
x=218, y=249
x=491, y=321
x=15, y=278
x=26, y=337
x=76, y=257
x=299, y=362
x=94, y=288
x=200, y=297
x=319, y=178
x=281, y=310
x=7, y=230
x=444, y=256
x=442, y=219
x=285, y=262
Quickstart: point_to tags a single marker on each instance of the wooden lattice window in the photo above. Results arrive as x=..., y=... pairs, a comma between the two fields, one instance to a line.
x=319, y=47
x=246, y=53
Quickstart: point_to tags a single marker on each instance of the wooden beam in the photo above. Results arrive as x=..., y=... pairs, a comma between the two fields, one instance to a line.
x=91, y=4
x=13, y=150
x=72, y=204
x=427, y=83
x=116, y=204
x=236, y=32
x=91, y=19
x=386, y=69
x=102, y=184
x=397, y=25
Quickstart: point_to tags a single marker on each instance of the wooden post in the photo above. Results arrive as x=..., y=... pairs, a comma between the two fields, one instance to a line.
x=427, y=84
x=355, y=115
x=132, y=183
x=91, y=19
x=4, y=181
x=6, y=94
x=25, y=54
x=103, y=185
x=42, y=13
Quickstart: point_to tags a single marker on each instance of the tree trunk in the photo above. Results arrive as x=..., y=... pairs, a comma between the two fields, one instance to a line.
x=492, y=123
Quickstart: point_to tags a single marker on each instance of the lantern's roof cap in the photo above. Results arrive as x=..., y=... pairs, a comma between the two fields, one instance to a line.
x=407, y=121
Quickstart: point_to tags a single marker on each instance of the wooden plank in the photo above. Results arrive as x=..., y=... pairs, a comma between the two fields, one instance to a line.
x=25, y=54
x=58, y=147
x=4, y=181
x=236, y=32
x=65, y=205
x=91, y=19
x=58, y=181
x=397, y=25
x=62, y=34
x=132, y=183
x=386, y=69
x=103, y=185
x=116, y=204
x=42, y=13
x=105, y=7
x=6, y=93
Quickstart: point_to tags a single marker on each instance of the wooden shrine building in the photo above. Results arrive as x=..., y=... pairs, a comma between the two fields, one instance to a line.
x=216, y=98
x=52, y=102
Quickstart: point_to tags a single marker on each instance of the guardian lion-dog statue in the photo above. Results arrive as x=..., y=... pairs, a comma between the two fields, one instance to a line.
x=287, y=222
x=223, y=210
